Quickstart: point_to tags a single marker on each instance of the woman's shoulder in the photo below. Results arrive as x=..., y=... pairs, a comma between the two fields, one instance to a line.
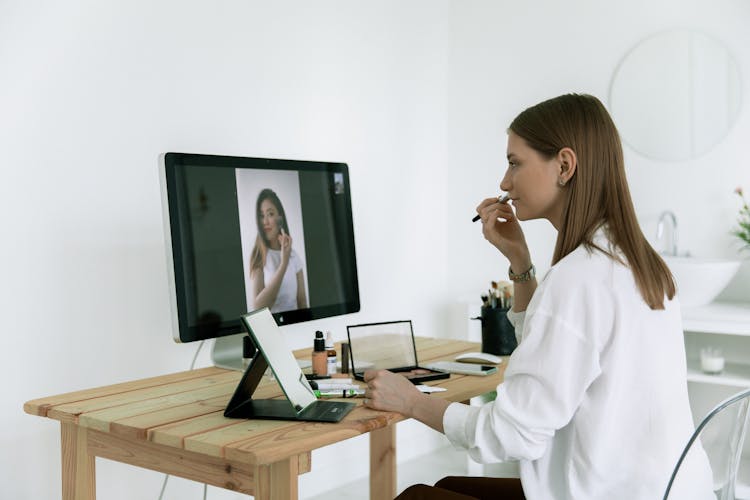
x=584, y=260
x=295, y=261
x=589, y=266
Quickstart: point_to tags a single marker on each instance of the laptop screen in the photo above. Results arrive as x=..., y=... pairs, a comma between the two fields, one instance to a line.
x=378, y=346
x=269, y=339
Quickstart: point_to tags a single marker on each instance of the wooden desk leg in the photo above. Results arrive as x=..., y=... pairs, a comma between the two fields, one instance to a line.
x=278, y=481
x=383, y=463
x=78, y=470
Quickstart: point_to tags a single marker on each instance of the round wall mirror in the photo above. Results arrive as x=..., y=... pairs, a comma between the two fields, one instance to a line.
x=675, y=95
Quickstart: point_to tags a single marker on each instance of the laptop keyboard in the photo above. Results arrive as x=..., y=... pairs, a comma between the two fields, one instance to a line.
x=326, y=411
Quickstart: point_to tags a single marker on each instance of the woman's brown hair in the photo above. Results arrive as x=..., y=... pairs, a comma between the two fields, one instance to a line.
x=260, y=249
x=598, y=190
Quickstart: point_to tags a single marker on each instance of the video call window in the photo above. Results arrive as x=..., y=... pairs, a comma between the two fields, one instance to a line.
x=236, y=223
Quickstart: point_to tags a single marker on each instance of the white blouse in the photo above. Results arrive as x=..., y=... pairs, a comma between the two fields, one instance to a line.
x=286, y=299
x=594, y=403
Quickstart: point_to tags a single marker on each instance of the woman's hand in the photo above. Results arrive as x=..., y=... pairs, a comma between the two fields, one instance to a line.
x=506, y=235
x=391, y=392
x=285, y=241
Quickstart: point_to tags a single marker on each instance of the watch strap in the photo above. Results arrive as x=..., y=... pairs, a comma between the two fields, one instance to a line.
x=523, y=277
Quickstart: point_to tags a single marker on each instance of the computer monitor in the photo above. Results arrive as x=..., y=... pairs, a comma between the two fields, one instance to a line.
x=245, y=233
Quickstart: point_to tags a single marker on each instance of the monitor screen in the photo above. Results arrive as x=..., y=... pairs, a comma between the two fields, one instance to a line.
x=245, y=233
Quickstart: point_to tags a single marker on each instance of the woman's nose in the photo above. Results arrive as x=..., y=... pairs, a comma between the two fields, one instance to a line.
x=505, y=184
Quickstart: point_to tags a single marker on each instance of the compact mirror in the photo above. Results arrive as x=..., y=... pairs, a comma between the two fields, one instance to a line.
x=675, y=95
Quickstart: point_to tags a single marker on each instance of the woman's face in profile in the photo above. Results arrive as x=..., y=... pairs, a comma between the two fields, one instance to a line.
x=531, y=181
x=269, y=221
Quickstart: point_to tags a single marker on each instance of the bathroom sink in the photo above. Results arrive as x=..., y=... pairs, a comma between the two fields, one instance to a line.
x=699, y=280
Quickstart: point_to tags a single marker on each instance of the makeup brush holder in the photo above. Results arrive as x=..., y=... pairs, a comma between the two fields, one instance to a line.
x=498, y=335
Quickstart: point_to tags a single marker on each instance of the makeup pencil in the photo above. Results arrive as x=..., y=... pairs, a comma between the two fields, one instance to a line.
x=500, y=199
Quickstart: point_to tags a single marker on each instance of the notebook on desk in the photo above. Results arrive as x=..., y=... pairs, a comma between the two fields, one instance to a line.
x=388, y=346
x=300, y=402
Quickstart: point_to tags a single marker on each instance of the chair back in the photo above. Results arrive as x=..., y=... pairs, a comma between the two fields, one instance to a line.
x=726, y=444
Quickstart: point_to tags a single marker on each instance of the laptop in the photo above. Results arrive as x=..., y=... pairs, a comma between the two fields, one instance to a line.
x=389, y=346
x=300, y=402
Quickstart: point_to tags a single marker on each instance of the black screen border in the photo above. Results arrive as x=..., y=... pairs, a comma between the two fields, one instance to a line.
x=179, y=265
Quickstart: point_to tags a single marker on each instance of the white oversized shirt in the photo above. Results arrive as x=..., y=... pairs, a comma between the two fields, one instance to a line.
x=286, y=299
x=594, y=402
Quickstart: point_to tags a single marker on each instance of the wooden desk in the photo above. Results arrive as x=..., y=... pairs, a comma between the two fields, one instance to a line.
x=175, y=424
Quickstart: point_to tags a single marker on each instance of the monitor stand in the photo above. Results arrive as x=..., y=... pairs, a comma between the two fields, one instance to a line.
x=227, y=352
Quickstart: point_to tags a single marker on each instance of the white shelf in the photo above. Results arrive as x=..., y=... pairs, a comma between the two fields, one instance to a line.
x=722, y=318
x=729, y=318
x=734, y=374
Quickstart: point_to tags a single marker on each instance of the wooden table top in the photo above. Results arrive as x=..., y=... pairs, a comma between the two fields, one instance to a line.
x=185, y=410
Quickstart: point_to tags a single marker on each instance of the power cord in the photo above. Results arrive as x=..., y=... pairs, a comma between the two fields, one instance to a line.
x=192, y=365
x=166, y=476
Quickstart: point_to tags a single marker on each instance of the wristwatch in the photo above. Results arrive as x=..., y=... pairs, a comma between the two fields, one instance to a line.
x=523, y=277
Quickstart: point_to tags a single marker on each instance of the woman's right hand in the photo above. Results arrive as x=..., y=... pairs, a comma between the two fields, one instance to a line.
x=506, y=235
x=286, y=246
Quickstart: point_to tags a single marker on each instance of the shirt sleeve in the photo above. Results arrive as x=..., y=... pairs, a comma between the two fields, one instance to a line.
x=517, y=319
x=296, y=262
x=545, y=382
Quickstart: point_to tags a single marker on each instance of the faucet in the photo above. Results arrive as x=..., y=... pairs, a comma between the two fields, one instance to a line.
x=668, y=215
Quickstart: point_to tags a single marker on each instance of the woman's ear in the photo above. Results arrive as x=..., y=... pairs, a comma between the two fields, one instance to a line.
x=568, y=164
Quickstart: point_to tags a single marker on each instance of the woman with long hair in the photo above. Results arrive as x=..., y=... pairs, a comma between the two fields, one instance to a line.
x=594, y=402
x=278, y=280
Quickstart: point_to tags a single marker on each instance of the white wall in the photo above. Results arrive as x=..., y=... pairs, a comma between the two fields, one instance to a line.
x=507, y=56
x=91, y=92
x=414, y=96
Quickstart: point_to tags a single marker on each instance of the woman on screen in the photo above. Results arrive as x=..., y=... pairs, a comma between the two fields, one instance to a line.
x=278, y=281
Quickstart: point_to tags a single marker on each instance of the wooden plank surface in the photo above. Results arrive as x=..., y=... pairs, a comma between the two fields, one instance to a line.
x=40, y=406
x=171, y=390
x=185, y=411
x=140, y=426
x=274, y=444
x=102, y=419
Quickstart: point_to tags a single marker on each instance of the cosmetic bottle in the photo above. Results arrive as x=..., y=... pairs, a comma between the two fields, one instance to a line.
x=319, y=355
x=330, y=354
x=345, y=357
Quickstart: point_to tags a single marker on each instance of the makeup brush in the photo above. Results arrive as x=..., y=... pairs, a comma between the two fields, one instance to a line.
x=503, y=198
x=280, y=224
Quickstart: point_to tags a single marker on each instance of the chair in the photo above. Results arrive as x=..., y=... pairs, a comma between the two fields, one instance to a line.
x=725, y=471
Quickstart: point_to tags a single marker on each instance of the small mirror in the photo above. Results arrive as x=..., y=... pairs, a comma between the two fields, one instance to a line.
x=675, y=95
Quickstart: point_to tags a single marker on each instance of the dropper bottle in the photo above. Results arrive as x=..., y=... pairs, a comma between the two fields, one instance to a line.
x=319, y=355
x=330, y=354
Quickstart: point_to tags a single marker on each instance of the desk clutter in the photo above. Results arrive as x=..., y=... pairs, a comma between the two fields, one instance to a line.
x=325, y=359
x=499, y=295
x=391, y=346
x=174, y=423
x=498, y=334
x=387, y=345
x=374, y=346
